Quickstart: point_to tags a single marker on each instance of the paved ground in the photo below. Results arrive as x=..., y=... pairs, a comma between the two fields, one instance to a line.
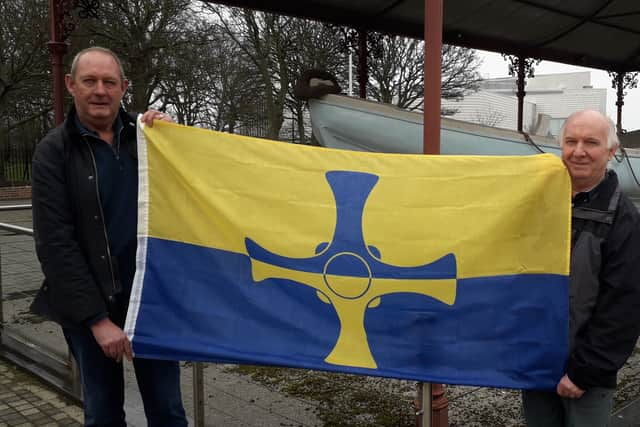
x=231, y=398
x=25, y=401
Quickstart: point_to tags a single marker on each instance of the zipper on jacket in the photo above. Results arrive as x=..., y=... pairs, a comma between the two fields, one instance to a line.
x=119, y=145
x=104, y=227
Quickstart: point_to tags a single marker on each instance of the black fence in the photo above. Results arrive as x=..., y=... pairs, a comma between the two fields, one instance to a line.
x=17, y=142
x=254, y=122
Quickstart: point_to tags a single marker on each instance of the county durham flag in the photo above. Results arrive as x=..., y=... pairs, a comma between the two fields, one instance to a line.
x=448, y=269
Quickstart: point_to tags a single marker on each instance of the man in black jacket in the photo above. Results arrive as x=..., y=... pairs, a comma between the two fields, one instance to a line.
x=604, y=295
x=85, y=187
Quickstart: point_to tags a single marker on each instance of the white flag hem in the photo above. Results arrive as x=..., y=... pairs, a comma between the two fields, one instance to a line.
x=143, y=231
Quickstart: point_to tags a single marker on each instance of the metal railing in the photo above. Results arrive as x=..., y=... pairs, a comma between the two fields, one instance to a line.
x=47, y=363
x=56, y=368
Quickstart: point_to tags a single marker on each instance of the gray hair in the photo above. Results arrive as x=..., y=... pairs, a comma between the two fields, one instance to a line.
x=74, y=63
x=612, y=136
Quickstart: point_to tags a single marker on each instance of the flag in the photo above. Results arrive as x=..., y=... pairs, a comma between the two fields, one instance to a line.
x=448, y=269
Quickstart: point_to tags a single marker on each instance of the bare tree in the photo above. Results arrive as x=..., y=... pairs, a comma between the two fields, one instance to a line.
x=24, y=66
x=460, y=74
x=236, y=92
x=187, y=95
x=264, y=40
x=147, y=35
x=210, y=86
x=25, y=84
x=397, y=74
x=316, y=47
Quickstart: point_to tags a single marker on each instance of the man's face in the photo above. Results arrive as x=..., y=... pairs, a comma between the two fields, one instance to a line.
x=584, y=149
x=97, y=89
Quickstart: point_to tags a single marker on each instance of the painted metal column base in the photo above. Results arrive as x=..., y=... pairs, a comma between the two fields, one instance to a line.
x=437, y=406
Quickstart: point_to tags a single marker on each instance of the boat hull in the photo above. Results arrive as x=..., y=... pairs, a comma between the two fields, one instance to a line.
x=349, y=123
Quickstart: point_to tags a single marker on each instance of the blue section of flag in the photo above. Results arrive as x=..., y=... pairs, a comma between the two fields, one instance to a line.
x=202, y=304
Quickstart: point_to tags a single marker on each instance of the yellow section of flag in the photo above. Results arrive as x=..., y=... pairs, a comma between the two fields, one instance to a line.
x=499, y=215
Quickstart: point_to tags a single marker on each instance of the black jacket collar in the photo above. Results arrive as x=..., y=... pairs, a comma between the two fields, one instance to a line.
x=599, y=197
x=69, y=125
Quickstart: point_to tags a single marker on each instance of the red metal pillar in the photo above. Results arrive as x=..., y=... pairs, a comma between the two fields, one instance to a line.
x=620, y=100
x=439, y=406
x=521, y=93
x=363, y=70
x=432, y=75
x=433, y=12
x=57, y=48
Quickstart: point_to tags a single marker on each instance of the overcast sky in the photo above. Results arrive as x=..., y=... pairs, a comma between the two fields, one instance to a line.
x=494, y=66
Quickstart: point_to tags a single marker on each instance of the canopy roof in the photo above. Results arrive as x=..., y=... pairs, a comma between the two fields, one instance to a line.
x=592, y=33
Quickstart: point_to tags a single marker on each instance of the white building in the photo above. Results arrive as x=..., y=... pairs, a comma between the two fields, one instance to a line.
x=549, y=100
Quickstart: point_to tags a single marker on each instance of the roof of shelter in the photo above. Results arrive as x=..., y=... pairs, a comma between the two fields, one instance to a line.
x=601, y=34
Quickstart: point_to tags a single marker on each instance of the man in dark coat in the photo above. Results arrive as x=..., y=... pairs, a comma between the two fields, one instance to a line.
x=604, y=293
x=85, y=187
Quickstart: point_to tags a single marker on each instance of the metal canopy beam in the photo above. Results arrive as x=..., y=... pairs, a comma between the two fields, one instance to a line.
x=479, y=28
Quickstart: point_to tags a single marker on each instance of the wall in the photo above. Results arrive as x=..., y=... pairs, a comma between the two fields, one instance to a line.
x=15, y=193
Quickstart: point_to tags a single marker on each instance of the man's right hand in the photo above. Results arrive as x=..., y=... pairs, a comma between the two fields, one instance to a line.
x=112, y=340
x=566, y=388
x=150, y=115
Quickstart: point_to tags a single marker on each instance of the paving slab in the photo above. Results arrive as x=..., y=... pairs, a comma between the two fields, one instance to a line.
x=27, y=401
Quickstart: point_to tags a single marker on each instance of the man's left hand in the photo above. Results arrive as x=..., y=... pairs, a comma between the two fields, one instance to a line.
x=566, y=388
x=150, y=115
